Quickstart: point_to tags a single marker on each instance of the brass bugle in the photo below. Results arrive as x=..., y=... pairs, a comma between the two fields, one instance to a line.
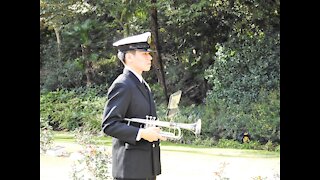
x=150, y=121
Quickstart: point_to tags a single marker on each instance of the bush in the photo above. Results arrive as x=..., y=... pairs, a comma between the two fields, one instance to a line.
x=46, y=136
x=245, y=95
x=70, y=109
x=94, y=162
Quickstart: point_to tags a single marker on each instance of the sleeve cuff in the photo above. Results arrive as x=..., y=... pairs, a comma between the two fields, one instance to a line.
x=138, y=135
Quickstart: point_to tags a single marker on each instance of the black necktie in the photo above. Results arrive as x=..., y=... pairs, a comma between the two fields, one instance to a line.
x=145, y=85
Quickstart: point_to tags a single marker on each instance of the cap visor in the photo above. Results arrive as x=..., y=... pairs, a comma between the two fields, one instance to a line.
x=146, y=50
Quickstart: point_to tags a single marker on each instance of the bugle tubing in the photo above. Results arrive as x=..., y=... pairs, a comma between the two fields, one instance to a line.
x=150, y=121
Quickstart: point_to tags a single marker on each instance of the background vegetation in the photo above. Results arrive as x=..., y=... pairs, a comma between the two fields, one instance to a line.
x=224, y=55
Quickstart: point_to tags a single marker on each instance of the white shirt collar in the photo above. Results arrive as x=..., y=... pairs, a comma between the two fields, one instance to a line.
x=138, y=76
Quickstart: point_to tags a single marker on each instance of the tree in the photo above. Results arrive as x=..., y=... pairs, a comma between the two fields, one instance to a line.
x=157, y=61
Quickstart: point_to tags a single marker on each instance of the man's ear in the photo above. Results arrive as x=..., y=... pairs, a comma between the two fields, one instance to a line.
x=129, y=57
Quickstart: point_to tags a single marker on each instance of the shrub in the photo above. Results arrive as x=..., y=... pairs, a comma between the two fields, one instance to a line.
x=94, y=162
x=71, y=109
x=245, y=80
x=46, y=136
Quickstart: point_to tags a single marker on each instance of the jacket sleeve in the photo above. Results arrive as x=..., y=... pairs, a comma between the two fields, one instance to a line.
x=114, y=113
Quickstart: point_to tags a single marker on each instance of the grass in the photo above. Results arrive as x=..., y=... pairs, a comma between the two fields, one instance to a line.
x=69, y=137
x=176, y=147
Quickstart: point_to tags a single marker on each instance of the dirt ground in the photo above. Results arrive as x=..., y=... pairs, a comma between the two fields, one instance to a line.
x=184, y=165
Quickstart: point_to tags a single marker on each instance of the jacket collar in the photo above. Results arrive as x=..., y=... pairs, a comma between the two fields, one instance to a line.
x=136, y=74
x=138, y=83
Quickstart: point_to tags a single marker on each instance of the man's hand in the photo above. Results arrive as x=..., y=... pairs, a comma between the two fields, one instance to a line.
x=152, y=134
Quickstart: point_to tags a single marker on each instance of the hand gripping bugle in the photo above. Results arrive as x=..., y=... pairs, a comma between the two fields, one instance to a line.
x=151, y=121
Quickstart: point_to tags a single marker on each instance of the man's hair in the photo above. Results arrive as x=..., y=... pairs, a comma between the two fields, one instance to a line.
x=122, y=55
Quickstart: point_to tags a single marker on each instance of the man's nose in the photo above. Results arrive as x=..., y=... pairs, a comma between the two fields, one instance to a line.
x=150, y=57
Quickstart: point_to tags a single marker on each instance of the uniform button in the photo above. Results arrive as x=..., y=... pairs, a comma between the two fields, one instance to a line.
x=153, y=145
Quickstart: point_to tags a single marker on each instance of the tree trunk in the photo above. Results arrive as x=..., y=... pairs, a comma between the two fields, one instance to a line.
x=88, y=65
x=156, y=61
x=56, y=30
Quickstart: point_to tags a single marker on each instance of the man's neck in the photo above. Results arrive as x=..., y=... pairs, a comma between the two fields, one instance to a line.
x=138, y=75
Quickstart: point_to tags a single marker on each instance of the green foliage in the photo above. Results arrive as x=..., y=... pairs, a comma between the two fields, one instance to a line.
x=224, y=143
x=68, y=75
x=86, y=31
x=82, y=107
x=204, y=24
x=245, y=95
x=277, y=148
x=223, y=55
x=244, y=67
x=158, y=93
x=265, y=121
x=261, y=119
x=206, y=142
x=70, y=109
x=256, y=145
x=95, y=25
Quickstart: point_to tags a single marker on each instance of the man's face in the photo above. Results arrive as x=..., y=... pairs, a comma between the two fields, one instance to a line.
x=140, y=61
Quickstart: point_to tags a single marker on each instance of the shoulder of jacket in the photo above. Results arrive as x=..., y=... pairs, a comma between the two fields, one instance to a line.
x=124, y=80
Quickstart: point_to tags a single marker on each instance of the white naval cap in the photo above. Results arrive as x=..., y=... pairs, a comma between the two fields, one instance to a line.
x=136, y=42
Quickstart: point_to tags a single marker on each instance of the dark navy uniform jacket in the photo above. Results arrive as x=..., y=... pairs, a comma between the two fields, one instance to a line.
x=129, y=98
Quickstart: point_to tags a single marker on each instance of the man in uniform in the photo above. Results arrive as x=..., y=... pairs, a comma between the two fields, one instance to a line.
x=135, y=148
